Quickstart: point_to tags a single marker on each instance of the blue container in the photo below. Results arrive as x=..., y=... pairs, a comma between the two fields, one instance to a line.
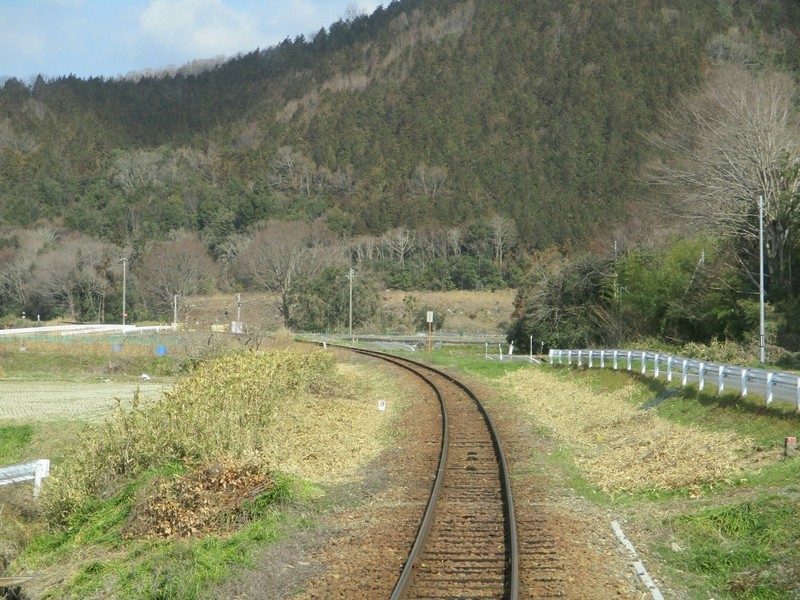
x=116, y=348
x=161, y=350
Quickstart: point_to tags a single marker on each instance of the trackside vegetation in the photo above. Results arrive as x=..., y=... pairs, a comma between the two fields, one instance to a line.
x=169, y=496
x=222, y=411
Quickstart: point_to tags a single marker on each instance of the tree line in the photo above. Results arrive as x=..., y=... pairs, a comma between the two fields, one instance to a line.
x=47, y=272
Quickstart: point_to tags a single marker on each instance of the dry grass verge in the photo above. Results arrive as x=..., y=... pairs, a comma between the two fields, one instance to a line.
x=621, y=449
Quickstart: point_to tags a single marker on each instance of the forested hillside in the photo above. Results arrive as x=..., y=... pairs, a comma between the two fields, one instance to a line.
x=439, y=142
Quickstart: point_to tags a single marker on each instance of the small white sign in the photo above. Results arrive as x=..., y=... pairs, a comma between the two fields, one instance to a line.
x=430, y=316
x=381, y=405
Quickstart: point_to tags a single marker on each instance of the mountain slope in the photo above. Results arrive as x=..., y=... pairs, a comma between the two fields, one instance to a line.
x=424, y=112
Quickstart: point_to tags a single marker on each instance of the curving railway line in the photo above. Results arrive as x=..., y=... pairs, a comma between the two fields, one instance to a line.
x=466, y=545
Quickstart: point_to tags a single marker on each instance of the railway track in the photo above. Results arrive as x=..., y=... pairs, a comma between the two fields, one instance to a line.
x=466, y=545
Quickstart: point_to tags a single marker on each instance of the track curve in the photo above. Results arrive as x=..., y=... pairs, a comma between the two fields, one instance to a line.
x=466, y=545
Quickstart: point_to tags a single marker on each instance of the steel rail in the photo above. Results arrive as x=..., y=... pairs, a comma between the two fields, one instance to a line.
x=510, y=534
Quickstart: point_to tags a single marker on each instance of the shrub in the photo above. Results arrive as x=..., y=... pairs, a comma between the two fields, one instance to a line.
x=222, y=411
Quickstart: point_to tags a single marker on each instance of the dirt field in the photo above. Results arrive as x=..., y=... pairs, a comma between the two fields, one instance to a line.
x=465, y=312
x=56, y=400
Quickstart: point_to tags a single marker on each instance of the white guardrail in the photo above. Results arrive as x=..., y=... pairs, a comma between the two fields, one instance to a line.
x=35, y=470
x=770, y=384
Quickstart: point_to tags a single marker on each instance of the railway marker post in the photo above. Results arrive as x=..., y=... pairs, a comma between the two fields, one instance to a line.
x=790, y=447
x=430, y=327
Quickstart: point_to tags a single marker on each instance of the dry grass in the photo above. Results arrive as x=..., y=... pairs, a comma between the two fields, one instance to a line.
x=290, y=410
x=622, y=449
x=328, y=440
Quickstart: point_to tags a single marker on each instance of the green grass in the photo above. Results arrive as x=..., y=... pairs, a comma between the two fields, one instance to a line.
x=744, y=550
x=13, y=441
x=80, y=366
x=749, y=416
x=175, y=569
x=470, y=360
x=105, y=560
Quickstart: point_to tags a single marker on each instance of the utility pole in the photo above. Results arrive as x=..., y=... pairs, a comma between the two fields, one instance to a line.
x=762, y=345
x=352, y=339
x=175, y=310
x=124, y=262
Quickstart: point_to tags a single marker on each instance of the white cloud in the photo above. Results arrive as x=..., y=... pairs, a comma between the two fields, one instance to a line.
x=199, y=28
x=102, y=37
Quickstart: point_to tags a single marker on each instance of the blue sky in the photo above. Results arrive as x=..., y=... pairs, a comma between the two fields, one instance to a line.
x=114, y=37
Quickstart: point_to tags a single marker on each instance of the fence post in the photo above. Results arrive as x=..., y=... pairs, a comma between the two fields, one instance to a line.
x=745, y=373
x=630, y=360
x=798, y=394
x=615, y=360
x=644, y=362
x=602, y=359
x=685, y=372
x=591, y=352
x=42, y=471
x=770, y=377
x=669, y=367
x=721, y=380
x=701, y=370
x=569, y=357
x=655, y=366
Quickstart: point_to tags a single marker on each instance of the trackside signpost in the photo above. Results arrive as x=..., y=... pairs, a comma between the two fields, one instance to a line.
x=430, y=329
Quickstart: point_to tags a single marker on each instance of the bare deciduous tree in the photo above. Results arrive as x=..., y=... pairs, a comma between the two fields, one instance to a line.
x=428, y=181
x=400, y=242
x=365, y=248
x=16, y=264
x=432, y=244
x=76, y=277
x=455, y=238
x=283, y=252
x=181, y=267
x=504, y=235
x=737, y=140
x=137, y=168
x=290, y=170
x=23, y=143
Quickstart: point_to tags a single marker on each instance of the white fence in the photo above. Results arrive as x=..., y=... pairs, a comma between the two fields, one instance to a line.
x=36, y=471
x=770, y=384
x=84, y=329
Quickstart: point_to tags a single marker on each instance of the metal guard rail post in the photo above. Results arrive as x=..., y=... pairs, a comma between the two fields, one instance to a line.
x=770, y=384
x=36, y=471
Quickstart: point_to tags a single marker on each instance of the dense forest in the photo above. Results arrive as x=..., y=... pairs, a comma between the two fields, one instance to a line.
x=432, y=145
